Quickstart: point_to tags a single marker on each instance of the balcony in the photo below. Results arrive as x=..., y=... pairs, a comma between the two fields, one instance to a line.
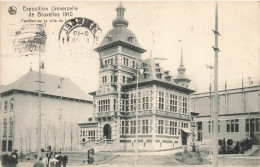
x=108, y=67
x=172, y=114
x=106, y=114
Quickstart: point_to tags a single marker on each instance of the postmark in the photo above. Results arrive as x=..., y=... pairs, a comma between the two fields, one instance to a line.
x=79, y=36
x=29, y=39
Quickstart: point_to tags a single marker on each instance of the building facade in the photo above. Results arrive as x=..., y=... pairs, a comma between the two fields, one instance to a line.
x=239, y=113
x=128, y=86
x=64, y=105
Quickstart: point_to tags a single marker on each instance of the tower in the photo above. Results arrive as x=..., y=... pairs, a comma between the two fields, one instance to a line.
x=181, y=77
x=119, y=53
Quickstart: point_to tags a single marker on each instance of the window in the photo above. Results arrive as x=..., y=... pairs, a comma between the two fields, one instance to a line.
x=12, y=104
x=5, y=128
x=184, y=125
x=132, y=102
x=132, y=127
x=185, y=105
x=213, y=126
x=254, y=125
x=122, y=127
x=199, y=127
x=146, y=100
x=104, y=105
x=173, y=128
x=91, y=134
x=232, y=125
x=109, y=38
x=130, y=39
x=160, y=126
x=159, y=76
x=104, y=79
x=5, y=107
x=133, y=64
x=126, y=127
x=125, y=61
x=11, y=127
x=115, y=78
x=112, y=79
x=173, y=102
x=180, y=104
x=161, y=100
x=114, y=104
x=145, y=126
x=124, y=79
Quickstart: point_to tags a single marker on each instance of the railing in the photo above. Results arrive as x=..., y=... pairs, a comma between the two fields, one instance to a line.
x=93, y=143
x=106, y=114
x=109, y=67
x=172, y=114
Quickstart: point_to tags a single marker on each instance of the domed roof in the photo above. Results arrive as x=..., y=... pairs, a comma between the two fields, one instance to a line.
x=120, y=33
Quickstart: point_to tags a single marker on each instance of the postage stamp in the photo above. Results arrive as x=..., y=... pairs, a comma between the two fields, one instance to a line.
x=79, y=35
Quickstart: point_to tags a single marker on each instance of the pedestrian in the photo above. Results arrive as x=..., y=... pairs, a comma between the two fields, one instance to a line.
x=59, y=158
x=45, y=160
x=53, y=161
x=64, y=160
x=14, y=158
x=39, y=163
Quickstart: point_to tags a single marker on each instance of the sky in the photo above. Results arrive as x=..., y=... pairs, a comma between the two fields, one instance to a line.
x=163, y=22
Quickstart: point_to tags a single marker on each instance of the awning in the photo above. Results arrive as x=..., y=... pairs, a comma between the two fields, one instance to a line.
x=186, y=130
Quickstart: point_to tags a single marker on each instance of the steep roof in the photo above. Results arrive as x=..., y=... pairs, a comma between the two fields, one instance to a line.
x=50, y=86
x=153, y=72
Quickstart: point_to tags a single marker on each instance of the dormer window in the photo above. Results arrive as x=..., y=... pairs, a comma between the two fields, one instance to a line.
x=109, y=38
x=157, y=64
x=130, y=39
x=158, y=70
x=159, y=76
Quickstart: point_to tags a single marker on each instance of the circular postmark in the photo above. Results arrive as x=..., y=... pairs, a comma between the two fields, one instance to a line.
x=79, y=35
x=12, y=10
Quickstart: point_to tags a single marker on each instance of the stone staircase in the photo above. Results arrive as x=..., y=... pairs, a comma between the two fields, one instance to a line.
x=101, y=145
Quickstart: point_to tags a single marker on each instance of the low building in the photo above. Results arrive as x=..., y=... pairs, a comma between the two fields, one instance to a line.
x=128, y=86
x=63, y=103
x=239, y=113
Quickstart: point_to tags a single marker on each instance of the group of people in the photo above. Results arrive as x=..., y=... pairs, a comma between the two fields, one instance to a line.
x=10, y=161
x=52, y=159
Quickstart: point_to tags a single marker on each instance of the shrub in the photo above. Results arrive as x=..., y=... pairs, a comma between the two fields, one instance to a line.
x=229, y=142
x=237, y=148
x=220, y=142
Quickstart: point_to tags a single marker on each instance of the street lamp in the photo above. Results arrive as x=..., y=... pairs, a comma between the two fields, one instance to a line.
x=140, y=70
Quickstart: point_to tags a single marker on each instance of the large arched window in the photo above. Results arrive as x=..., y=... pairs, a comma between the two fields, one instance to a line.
x=11, y=127
x=5, y=128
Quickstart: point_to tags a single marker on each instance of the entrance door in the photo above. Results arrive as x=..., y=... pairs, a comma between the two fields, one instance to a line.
x=107, y=131
x=183, y=138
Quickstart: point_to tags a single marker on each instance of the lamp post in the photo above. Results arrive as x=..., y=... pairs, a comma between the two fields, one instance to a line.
x=139, y=71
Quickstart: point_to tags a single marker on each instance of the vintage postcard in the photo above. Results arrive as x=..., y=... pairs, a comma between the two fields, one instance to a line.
x=165, y=83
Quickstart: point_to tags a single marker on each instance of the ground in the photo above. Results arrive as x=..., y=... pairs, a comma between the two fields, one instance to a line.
x=163, y=158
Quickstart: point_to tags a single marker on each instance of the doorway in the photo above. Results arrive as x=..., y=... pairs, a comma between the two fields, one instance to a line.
x=107, y=131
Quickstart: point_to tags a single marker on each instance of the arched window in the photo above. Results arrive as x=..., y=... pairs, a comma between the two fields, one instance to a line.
x=5, y=128
x=11, y=122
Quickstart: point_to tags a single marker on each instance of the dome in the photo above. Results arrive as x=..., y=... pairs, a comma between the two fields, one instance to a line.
x=120, y=33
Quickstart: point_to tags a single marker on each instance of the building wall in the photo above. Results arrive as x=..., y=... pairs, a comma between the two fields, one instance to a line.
x=26, y=121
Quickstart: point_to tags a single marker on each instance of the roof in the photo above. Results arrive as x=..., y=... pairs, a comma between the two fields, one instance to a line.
x=120, y=33
x=154, y=72
x=50, y=86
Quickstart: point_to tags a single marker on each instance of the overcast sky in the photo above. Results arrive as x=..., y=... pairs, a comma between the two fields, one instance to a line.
x=191, y=22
